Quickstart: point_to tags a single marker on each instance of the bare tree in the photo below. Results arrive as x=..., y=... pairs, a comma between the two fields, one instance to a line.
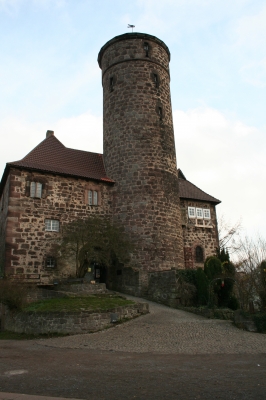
x=249, y=257
x=229, y=235
x=95, y=239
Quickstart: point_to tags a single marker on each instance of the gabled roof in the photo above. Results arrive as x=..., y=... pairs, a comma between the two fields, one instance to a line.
x=52, y=156
x=189, y=191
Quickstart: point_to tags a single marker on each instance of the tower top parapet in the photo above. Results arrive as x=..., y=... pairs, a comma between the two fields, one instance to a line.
x=132, y=35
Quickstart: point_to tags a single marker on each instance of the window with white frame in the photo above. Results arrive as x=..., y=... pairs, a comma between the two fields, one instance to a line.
x=199, y=213
x=93, y=197
x=36, y=189
x=52, y=225
x=191, y=212
x=206, y=213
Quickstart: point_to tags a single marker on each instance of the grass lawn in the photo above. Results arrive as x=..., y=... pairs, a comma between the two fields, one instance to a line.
x=89, y=303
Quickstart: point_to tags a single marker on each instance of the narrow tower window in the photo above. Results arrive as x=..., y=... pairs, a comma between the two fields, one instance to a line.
x=111, y=83
x=160, y=112
x=156, y=80
x=146, y=48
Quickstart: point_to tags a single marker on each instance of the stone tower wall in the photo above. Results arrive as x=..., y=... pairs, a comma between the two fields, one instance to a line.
x=139, y=148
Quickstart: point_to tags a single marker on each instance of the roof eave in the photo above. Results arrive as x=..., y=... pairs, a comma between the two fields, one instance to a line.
x=106, y=180
x=214, y=201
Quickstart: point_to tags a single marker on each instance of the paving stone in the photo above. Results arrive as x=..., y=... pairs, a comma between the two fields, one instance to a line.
x=168, y=331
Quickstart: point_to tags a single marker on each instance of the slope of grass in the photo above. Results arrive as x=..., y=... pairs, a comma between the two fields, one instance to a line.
x=76, y=304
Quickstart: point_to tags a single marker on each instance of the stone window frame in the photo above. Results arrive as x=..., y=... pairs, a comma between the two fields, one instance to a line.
x=147, y=48
x=52, y=225
x=37, y=180
x=160, y=110
x=112, y=81
x=50, y=262
x=96, y=197
x=36, y=189
x=155, y=77
x=199, y=253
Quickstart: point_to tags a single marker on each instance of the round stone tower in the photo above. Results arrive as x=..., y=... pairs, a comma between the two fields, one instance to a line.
x=139, y=148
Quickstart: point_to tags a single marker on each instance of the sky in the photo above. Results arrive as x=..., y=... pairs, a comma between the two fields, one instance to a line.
x=50, y=80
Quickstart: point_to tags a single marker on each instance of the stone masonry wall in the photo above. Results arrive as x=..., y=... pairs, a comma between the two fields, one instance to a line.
x=3, y=221
x=69, y=322
x=63, y=199
x=198, y=233
x=139, y=149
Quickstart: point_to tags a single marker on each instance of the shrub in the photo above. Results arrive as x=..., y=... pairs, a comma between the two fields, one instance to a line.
x=188, y=275
x=212, y=268
x=13, y=294
x=202, y=287
x=260, y=322
x=262, y=292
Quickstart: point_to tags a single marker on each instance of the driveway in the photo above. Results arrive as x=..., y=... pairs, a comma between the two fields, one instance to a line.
x=168, y=331
x=167, y=354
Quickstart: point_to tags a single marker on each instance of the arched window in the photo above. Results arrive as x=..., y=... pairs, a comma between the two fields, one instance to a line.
x=199, y=254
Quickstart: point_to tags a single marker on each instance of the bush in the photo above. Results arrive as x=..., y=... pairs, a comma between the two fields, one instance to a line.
x=260, y=322
x=202, y=287
x=262, y=292
x=212, y=268
x=188, y=275
x=13, y=294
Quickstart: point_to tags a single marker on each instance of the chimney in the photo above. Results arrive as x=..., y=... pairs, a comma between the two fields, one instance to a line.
x=49, y=133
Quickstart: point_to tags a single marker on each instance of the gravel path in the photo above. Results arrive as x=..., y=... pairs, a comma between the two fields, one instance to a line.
x=168, y=331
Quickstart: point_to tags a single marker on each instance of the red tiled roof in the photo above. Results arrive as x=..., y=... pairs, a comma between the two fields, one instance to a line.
x=189, y=191
x=52, y=156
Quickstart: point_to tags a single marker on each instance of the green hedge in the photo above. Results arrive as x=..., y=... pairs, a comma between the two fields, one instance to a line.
x=260, y=322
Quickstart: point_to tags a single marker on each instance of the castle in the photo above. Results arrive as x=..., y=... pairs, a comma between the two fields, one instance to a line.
x=135, y=180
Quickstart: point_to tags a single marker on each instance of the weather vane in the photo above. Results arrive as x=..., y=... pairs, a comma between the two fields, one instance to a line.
x=131, y=26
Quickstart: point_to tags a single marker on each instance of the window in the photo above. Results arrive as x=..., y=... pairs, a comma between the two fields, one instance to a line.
x=35, y=189
x=160, y=112
x=95, y=198
x=50, y=262
x=191, y=212
x=206, y=213
x=52, y=225
x=92, y=197
x=111, y=84
x=199, y=213
x=156, y=80
x=199, y=254
x=146, y=48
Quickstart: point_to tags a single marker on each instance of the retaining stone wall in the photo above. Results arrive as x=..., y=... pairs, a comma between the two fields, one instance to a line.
x=69, y=322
